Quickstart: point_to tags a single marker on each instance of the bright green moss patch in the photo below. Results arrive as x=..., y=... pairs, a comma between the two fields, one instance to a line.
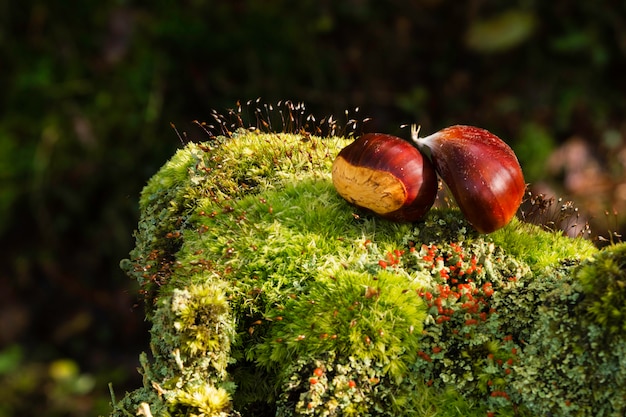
x=540, y=249
x=270, y=295
x=373, y=317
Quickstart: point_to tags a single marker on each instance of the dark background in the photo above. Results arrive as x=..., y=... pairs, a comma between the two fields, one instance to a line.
x=88, y=92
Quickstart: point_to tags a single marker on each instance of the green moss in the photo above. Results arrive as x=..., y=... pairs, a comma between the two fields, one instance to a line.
x=254, y=269
x=540, y=249
x=603, y=279
x=373, y=327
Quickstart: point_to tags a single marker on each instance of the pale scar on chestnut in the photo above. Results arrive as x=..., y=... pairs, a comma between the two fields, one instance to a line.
x=379, y=191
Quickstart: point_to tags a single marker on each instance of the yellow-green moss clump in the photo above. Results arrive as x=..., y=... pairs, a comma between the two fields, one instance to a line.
x=269, y=295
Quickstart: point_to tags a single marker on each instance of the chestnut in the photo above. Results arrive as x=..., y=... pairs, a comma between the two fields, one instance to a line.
x=480, y=170
x=386, y=175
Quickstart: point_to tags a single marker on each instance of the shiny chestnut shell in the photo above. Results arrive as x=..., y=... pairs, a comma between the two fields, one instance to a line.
x=386, y=175
x=480, y=170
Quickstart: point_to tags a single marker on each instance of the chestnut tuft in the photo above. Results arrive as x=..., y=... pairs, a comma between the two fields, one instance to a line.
x=386, y=175
x=480, y=170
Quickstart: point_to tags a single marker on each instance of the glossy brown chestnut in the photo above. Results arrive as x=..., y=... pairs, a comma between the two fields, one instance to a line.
x=480, y=170
x=386, y=175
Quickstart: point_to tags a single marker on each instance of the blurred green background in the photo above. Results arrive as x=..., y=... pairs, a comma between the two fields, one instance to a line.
x=88, y=91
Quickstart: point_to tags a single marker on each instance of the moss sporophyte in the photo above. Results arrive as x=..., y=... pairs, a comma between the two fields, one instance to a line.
x=269, y=294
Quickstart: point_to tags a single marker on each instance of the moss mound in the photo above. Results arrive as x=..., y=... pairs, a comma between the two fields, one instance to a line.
x=270, y=295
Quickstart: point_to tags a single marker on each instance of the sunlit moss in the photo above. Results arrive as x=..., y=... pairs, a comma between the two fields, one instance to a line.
x=201, y=400
x=254, y=269
x=540, y=249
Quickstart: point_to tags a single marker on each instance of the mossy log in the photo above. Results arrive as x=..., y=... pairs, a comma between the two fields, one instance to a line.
x=270, y=295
